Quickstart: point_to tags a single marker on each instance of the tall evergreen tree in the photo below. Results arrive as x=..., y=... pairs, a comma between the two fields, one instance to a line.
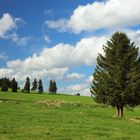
x=4, y=84
x=40, y=86
x=14, y=85
x=52, y=86
x=0, y=82
x=116, y=80
x=34, y=85
x=27, y=85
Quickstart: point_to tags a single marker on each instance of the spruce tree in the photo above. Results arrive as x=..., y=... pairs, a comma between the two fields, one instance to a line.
x=14, y=85
x=4, y=84
x=52, y=86
x=40, y=86
x=0, y=82
x=27, y=85
x=116, y=80
x=34, y=85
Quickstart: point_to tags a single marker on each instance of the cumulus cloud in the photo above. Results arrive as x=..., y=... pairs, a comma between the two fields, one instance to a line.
x=108, y=14
x=56, y=61
x=7, y=23
x=89, y=80
x=135, y=36
x=83, y=52
x=87, y=49
x=55, y=73
x=4, y=72
x=74, y=76
x=83, y=89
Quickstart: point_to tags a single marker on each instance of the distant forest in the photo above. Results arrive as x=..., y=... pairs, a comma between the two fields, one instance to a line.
x=36, y=86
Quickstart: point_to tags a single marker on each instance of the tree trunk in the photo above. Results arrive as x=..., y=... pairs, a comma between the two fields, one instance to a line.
x=121, y=115
x=118, y=111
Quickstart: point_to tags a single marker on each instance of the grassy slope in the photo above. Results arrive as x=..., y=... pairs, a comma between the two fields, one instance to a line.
x=79, y=118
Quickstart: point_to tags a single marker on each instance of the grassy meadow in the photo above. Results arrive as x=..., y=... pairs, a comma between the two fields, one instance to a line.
x=26, y=116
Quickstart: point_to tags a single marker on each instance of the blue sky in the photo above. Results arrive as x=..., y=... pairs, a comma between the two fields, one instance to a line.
x=60, y=39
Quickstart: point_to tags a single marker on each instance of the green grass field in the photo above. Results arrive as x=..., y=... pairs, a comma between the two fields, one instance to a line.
x=59, y=117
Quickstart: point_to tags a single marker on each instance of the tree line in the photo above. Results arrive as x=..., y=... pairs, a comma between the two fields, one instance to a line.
x=37, y=86
x=6, y=83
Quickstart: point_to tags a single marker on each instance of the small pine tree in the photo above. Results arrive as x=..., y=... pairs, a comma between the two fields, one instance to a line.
x=40, y=86
x=52, y=86
x=27, y=85
x=34, y=85
x=4, y=85
x=0, y=82
x=14, y=85
x=8, y=82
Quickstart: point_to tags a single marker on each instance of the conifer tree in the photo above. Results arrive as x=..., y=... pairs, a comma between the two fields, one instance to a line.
x=4, y=84
x=116, y=80
x=40, y=86
x=52, y=86
x=34, y=85
x=0, y=82
x=27, y=85
x=14, y=85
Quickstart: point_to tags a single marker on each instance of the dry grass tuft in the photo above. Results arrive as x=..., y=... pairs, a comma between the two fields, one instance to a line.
x=135, y=120
x=51, y=103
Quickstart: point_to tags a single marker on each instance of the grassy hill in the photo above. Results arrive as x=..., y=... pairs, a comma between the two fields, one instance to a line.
x=62, y=117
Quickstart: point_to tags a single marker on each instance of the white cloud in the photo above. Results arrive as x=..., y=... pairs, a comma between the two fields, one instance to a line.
x=89, y=80
x=55, y=73
x=20, y=41
x=47, y=39
x=64, y=55
x=74, y=76
x=4, y=72
x=7, y=23
x=83, y=89
x=77, y=87
x=61, y=24
x=108, y=14
x=135, y=36
x=56, y=61
x=87, y=49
